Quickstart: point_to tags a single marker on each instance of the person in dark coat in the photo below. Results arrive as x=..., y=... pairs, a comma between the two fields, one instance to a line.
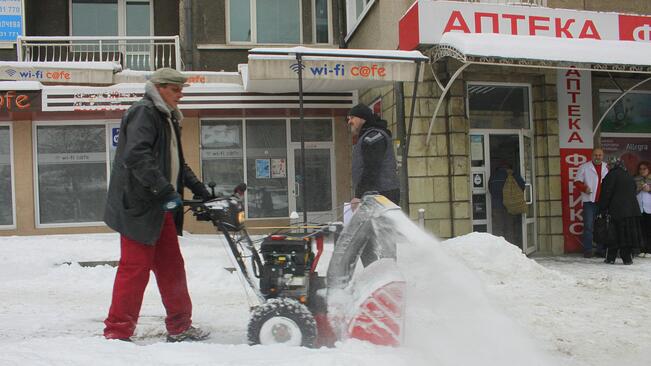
x=374, y=162
x=618, y=200
x=503, y=223
x=144, y=204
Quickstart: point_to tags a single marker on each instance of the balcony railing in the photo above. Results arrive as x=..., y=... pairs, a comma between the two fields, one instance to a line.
x=134, y=53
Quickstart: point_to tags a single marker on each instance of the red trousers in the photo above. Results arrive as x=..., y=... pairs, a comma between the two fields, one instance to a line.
x=136, y=261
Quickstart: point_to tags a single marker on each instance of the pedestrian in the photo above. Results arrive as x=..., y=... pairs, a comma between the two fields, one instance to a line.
x=144, y=204
x=618, y=200
x=643, y=188
x=374, y=162
x=588, y=181
x=504, y=223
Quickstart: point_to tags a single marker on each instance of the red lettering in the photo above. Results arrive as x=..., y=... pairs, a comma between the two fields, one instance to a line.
x=452, y=23
x=574, y=123
x=495, y=22
x=533, y=26
x=573, y=71
x=382, y=71
x=513, y=18
x=564, y=29
x=574, y=95
x=22, y=102
x=576, y=82
x=8, y=96
x=574, y=110
x=575, y=137
x=589, y=30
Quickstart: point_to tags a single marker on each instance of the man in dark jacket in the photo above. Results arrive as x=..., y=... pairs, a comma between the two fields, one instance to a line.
x=618, y=199
x=144, y=204
x=374, y=162
x=504, y=224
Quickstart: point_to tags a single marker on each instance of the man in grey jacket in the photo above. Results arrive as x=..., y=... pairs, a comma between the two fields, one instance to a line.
x=144, y=204
x=374, y=162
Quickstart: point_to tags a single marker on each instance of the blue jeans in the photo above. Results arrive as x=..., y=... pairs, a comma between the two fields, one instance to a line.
x=590, y=212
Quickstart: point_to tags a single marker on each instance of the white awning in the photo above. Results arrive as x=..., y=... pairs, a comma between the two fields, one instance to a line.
x=597, y=55
x=275, y=70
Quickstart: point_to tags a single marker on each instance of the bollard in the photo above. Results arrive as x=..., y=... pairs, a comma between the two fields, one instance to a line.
x=421, y=218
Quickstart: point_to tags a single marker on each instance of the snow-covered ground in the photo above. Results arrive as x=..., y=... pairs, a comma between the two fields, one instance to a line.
x=472, y=300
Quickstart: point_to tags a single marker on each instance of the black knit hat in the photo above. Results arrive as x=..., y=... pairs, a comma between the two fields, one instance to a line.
x=362, y=111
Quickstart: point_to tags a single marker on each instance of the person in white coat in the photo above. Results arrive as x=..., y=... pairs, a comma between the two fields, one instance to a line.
x=643, y=186
x=588, y=182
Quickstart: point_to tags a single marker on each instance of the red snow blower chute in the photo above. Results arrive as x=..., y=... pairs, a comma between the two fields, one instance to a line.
x=293, y=304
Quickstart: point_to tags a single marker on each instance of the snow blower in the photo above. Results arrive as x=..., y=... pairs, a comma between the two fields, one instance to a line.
x=293, y=304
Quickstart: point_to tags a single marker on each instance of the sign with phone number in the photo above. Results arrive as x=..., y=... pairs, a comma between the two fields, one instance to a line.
x=11, y=20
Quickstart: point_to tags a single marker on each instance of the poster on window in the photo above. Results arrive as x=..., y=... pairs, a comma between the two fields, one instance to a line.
x=278, y=168
x=632, y=150
x=11, y=20
x=262, y=168
x=631, y=114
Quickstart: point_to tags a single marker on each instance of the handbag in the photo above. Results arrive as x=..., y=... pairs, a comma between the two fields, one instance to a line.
x=604, y=230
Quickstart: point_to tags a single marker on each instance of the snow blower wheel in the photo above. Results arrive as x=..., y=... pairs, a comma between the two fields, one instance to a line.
x=282, y=321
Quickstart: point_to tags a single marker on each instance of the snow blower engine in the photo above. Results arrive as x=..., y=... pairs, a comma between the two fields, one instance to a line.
x=293, y=305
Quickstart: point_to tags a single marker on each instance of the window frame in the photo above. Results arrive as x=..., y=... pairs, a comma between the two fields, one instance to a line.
x=37, y=204
x=254, y=26
x=13, y=176
x=330, y=24
x=290, y=146
x=352, y=19
x=527, y=86
x=122, y=16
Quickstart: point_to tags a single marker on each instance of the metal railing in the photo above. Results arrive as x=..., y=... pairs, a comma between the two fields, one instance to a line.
x=134, y=53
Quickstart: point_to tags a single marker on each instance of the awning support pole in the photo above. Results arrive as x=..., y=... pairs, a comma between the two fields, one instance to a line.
x=301, y=114
x=442, y=97
x=405, y=151
x=612, y=105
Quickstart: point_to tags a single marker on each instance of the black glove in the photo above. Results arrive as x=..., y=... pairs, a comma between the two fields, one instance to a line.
x=199, y=190
x=172, y=202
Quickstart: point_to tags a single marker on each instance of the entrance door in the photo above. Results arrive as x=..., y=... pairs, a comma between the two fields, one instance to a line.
x=492, y=154
x=319, y=170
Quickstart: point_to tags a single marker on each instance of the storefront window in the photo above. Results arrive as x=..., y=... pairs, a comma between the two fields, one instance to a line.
x=6, y=194
x=222, y=154
x=321, y=21
x=266, y=161
x=498, y=106
x=314, y=130
x=626, y=129
x=71, y=171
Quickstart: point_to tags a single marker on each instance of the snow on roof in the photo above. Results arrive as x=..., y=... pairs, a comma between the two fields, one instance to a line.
x=112, y=66
x=552, y=49
x=389, y=55
x=20, y=85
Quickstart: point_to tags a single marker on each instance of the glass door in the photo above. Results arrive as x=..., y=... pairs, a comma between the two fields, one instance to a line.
x=319, y=170
x=529, y=218
x=493, y=154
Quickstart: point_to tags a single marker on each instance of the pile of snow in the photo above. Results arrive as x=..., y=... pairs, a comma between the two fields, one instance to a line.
x=473, y=300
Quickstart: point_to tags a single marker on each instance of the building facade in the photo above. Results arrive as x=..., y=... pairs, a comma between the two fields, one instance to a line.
x=497, y=112
x=65, y=84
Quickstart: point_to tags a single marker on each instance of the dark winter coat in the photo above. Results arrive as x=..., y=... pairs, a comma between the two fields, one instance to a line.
x=374, y=162
x=618, y=194
x=140, y=174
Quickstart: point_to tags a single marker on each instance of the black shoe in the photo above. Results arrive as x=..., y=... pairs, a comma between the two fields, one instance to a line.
x=609, y=261
x=628, y=262
x=190, y=334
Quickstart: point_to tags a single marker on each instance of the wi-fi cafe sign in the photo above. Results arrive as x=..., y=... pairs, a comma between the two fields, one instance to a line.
x=20, y=101
x=426, y=21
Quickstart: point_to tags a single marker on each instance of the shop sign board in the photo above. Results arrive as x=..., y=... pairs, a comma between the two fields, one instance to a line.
x=20, y=101
x=574, y=93
x=55, y=74
x=632, y=149
x=426, y=21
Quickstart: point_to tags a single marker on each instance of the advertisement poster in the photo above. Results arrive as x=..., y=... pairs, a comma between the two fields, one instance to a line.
x=632, y=150
x=262, y=168
x=11, y=20
x=632, y=114
x=278, y=168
